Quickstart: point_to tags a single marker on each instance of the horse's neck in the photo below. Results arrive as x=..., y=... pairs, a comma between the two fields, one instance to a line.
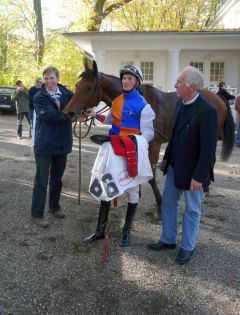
x=111, y=88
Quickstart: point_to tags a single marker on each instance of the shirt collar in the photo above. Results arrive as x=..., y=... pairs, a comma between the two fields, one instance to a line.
x=53, y=93
x=191, y=101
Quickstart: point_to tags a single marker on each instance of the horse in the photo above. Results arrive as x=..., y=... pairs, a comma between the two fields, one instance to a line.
x=95, y=87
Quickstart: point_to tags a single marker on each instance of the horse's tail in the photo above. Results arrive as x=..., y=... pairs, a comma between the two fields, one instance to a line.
x=228, y=134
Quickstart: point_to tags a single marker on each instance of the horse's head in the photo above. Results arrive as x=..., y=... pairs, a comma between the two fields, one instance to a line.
x=87, y=92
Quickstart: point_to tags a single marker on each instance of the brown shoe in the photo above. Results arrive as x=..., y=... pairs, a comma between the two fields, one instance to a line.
x=57, y=214
x=41, y=222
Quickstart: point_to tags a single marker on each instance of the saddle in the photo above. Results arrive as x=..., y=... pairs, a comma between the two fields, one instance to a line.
x=122, y=146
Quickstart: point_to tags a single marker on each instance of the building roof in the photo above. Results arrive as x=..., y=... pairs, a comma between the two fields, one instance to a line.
x=228, y=6
x=92, y=41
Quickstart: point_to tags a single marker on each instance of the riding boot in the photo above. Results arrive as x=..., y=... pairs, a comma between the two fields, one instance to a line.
x=131, y=210
x=102, y=222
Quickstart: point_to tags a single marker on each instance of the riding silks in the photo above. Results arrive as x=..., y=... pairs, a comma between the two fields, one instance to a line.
x=110, y=176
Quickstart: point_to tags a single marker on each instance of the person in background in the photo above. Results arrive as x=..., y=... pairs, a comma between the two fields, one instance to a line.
x=32, y=91
x=223, y=93
x=187, y=162
x=52, y=143
x=130, y=114
x=21, y=97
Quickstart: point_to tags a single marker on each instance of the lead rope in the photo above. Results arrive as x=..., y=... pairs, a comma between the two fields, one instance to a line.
x=79, y=163
x=106, y=244
x=101, y=111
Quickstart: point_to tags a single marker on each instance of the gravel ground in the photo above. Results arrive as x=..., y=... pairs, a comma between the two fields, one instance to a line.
x=50, y=271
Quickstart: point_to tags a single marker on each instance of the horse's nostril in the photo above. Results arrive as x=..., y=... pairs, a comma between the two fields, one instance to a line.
x=71, y=114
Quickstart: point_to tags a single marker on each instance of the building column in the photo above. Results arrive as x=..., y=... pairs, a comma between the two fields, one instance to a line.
x=206, y=72
x=100, y=59
x=173, y=68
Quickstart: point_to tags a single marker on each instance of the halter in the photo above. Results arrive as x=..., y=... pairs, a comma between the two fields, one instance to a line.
x=87, y=106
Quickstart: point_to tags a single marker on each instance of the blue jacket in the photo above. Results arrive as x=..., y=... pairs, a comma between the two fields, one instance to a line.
x=194, y=141
x=53, y=134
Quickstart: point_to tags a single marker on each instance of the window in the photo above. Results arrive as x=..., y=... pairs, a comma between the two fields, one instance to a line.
x=147, y=70
x=216, y=71
x=198, y=65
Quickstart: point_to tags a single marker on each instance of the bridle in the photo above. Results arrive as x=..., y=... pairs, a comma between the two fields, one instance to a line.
x=86, y=107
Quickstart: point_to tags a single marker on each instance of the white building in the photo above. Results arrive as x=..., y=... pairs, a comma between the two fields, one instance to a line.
x=228, y=17
x=162, y=55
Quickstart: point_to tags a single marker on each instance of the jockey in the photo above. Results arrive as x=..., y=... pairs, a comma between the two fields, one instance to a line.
x=129, y=115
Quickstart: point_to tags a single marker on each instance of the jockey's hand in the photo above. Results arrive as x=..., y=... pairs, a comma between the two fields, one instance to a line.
x=195, y=185
x=90, y=112
x=81, y=118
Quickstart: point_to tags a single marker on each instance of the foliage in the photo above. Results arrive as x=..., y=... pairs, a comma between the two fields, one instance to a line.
x=63, y=54
x=19, y=46
x=170, y=15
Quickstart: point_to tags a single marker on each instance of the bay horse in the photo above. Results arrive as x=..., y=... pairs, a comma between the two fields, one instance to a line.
x=94, y=87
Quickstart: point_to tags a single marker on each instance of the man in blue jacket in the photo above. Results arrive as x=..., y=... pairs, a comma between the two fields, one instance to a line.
x=52, y=143
x=188, y=159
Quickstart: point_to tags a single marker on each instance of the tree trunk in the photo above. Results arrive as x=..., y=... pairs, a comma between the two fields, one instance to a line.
x=99, y=14
x=39, y=37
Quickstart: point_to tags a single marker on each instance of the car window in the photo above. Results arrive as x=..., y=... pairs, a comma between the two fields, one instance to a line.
x=6, y=90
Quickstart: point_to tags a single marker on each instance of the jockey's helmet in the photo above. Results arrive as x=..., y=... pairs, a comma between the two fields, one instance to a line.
x=133, y=70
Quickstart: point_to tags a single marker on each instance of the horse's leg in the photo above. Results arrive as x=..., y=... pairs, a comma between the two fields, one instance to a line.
x=154, y=150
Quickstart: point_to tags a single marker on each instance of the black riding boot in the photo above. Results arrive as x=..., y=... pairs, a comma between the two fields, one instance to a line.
x=102, y=222
x=131, y=210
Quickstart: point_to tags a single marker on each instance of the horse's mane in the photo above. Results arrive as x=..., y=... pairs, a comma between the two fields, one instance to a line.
x=87, y=74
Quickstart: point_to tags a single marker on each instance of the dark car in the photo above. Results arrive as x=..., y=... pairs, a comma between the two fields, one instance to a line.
x=6, y=104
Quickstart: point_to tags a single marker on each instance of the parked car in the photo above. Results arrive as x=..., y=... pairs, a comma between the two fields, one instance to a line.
x=6, y=104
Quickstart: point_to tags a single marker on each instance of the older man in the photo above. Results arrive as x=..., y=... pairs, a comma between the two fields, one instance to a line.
x=188, y=160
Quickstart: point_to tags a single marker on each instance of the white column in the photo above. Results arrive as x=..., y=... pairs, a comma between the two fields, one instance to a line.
x=173, y=68
x=206, y=71
x=100, y=59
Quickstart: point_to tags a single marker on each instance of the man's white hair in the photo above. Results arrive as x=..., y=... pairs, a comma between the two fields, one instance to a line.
x=193, y=76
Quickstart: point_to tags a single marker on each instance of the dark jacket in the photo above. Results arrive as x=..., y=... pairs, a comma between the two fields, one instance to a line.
x=21, y=98
x=196, y=138
x=32, y=91
x=53, y=134
x=225, y=96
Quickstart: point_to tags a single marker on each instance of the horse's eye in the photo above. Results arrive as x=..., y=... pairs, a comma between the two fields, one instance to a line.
x=89, y=88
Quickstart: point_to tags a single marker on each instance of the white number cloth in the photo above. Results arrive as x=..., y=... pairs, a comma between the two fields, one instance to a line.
x=110, y=176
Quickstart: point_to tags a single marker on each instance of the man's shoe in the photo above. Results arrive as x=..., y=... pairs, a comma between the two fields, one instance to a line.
x=184, y=256
x=19, y=137
x=125, y=240
x=94, y=237
x=41, y=222
x=59, y=214
x=160, y=245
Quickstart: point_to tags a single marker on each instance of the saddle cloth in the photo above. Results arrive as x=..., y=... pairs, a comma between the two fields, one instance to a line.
x=110, y=176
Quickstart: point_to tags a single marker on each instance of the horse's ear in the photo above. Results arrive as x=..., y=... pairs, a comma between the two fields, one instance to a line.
x=95, y=68
x=86, y=63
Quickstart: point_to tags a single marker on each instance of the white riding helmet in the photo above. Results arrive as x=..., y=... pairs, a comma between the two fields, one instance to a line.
x=130, y=69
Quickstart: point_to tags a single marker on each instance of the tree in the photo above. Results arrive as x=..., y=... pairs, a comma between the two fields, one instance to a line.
x=39, y=37
x=170, y=15
x=88, y=15
x=100, y=12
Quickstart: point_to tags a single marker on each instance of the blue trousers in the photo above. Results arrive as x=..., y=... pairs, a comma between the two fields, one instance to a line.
x=238, y=134
x=191, y=216
x=48, y=168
